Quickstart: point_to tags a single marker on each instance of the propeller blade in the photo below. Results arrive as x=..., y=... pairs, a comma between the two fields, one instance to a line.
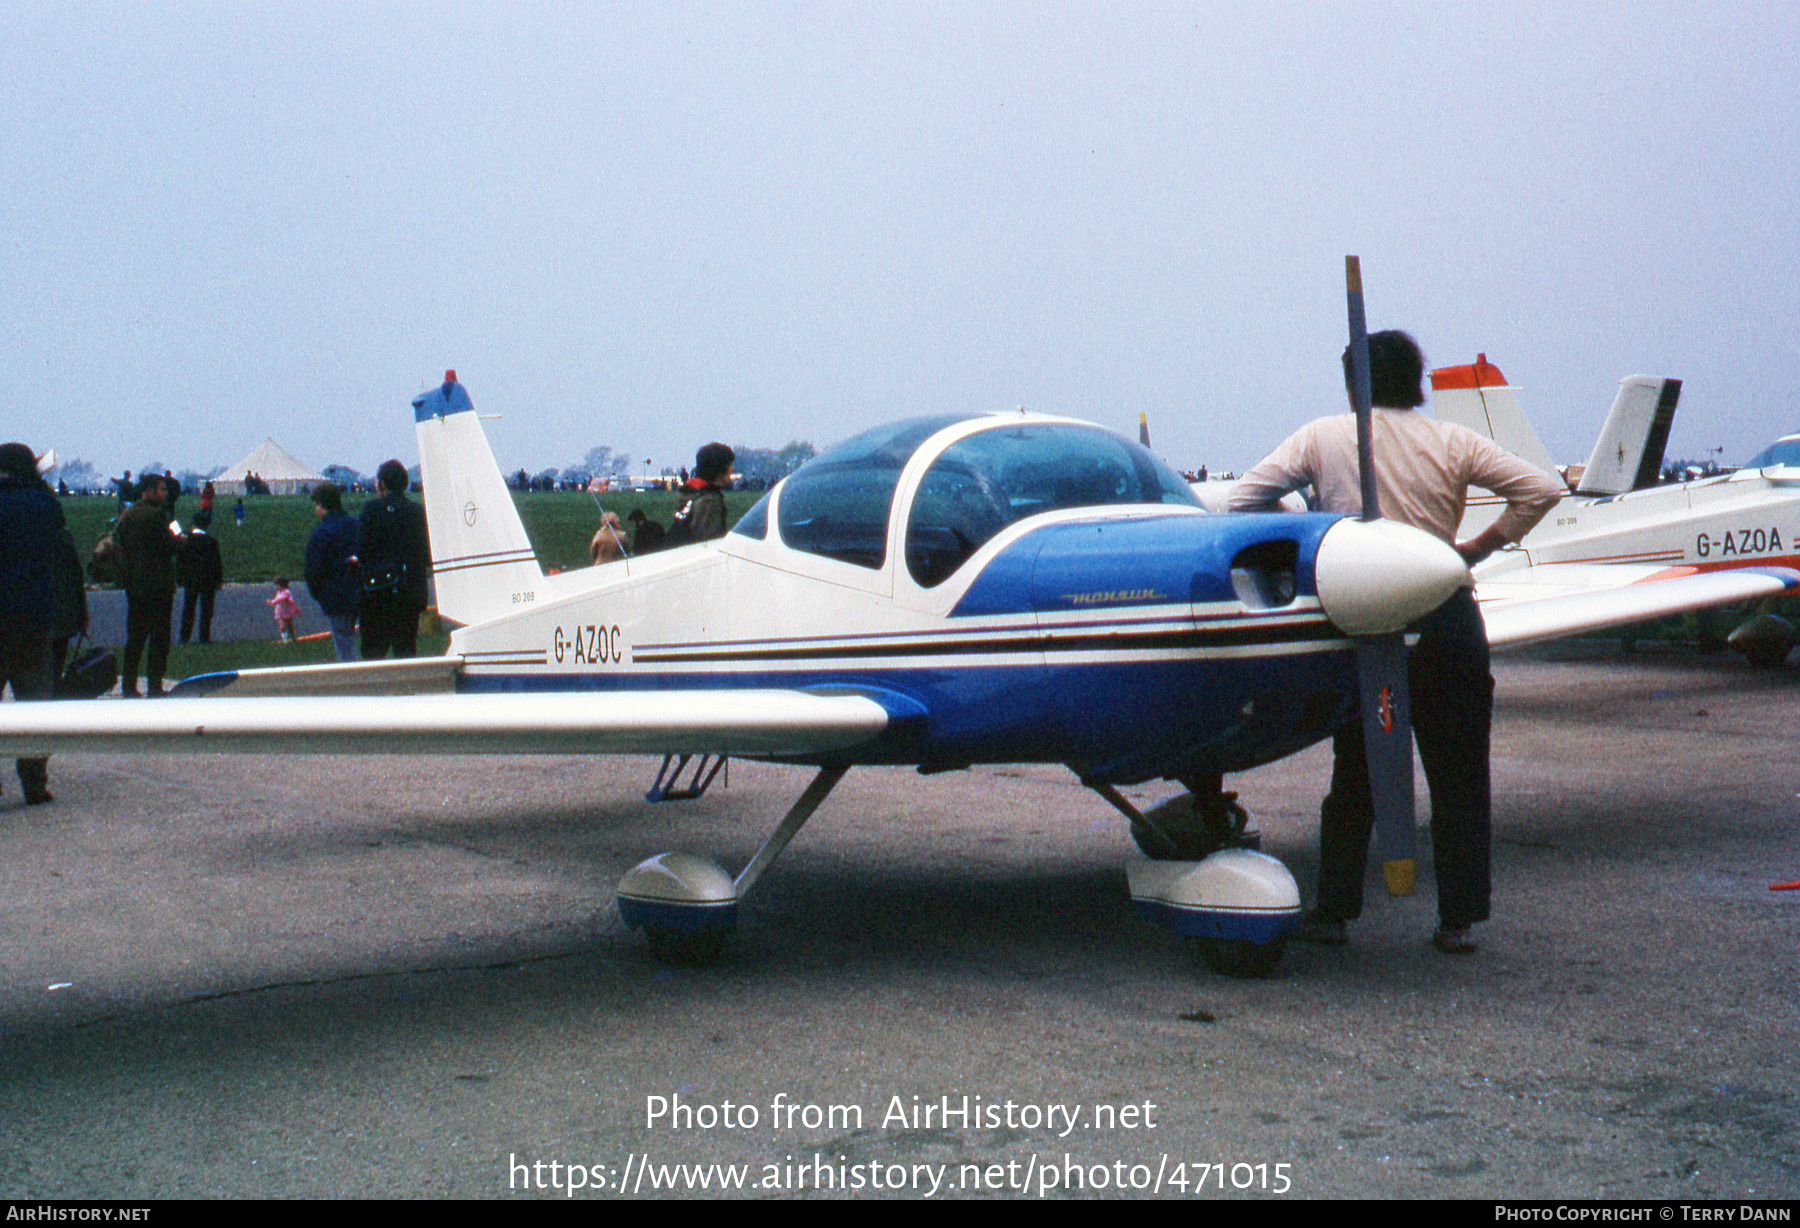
x=1359, y=386
x=1387, y=744
x=1143, y=429
x=1381, y=659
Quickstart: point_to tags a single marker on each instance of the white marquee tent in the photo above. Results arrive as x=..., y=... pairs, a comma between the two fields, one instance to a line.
x=271, y=463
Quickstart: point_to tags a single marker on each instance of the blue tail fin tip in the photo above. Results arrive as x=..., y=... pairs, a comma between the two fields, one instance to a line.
x=450, y=398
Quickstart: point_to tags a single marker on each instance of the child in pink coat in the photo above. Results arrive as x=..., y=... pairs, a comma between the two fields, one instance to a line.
x=286, y=609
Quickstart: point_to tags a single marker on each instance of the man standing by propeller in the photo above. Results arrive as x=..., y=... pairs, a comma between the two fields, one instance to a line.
x=1423, y=469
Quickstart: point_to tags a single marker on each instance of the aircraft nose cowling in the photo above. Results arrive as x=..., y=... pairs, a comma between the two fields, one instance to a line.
x=1376, y=576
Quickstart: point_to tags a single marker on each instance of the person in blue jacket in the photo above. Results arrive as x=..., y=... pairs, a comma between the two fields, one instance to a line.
x=331, y=568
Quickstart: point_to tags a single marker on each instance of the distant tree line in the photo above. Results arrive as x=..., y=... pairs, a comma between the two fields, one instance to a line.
x=757, y=468
x=761, y=468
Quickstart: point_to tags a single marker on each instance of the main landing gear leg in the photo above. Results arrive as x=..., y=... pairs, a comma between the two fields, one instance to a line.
x=1201, y=878
x=1191, y=826
x=687, y=905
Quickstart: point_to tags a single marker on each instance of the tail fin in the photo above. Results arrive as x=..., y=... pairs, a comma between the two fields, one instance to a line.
x=1628, y=455
x=1478, y=397
x=480, y=556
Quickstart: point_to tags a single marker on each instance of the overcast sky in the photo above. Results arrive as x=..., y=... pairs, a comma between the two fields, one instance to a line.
x=651, y=225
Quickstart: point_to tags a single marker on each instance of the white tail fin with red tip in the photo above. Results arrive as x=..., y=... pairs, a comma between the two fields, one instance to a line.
x=1477, y=396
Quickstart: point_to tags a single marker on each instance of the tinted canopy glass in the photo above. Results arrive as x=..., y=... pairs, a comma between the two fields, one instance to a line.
x=1783, y=452
x=837, y=504
x=995, y=478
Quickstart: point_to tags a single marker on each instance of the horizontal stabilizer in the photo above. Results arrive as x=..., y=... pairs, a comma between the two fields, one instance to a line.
x=734, y=722
x=1557, y=599
x=401, y=676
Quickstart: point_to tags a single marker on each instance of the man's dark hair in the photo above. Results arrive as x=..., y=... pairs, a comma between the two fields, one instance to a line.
x=392, y=477
x=711, y=462
x=149, y=480
x=327, y=496
x=1396, y=370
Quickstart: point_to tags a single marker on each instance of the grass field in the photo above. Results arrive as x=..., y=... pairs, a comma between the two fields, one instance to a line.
x=272, y=541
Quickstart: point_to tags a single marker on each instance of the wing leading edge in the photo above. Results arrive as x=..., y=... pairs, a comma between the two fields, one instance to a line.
x=739, y=722
x=1550, y=600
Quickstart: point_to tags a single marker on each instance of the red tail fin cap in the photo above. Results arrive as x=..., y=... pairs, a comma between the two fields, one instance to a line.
x=1479, y=374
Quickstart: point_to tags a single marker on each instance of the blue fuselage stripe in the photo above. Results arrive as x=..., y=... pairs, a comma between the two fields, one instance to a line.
x=1120, y=720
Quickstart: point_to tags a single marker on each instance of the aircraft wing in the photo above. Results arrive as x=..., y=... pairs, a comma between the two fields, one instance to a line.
x=1551, y=600
x=739, y=722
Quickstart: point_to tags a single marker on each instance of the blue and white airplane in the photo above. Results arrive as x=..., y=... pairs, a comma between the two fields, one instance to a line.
x=941, y=592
